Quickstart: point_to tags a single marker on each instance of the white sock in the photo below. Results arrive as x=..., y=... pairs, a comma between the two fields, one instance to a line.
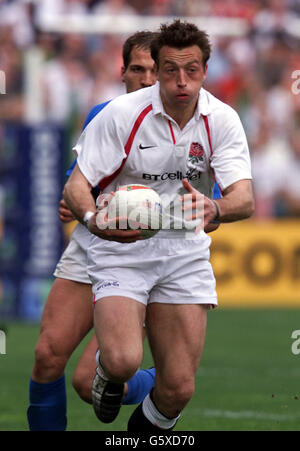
x=155, y=417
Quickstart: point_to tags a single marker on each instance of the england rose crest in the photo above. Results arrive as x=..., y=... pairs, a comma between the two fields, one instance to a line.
x=196, y=153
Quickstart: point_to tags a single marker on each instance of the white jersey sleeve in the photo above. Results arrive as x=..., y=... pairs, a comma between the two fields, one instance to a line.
x=230, y=159
x=100, y=148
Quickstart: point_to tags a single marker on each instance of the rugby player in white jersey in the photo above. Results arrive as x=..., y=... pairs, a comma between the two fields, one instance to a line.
x=167, y=276
x=68, y=314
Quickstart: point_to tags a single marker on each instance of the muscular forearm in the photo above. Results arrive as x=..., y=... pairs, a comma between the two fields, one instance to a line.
x=237, y=202
x=79, y=205
x=77, y=194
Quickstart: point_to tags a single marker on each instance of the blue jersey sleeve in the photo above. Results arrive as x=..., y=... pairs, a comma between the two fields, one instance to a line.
x=216, y=195
x=217, y=192
x=94, y=111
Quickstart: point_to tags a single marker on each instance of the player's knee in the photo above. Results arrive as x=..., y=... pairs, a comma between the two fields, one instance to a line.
x=184, y=393
x=120, y=367
x=83, y=386
x=178, y=394
x=47, y=363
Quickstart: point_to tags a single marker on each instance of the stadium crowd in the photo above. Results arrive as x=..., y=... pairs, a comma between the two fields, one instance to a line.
x=258, y=73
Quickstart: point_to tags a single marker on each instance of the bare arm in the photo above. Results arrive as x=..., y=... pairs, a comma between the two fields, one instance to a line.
x=77, y=194
x=64, y=213
x=237, y=202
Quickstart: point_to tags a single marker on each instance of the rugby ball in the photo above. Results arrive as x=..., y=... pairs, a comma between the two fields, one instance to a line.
x=141, y=206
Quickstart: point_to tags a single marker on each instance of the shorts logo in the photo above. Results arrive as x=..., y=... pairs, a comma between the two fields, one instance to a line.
x=196, y=153
x=108, y=283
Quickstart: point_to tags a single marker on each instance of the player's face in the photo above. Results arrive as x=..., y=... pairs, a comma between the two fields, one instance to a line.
x=181, y=75
x=140, y=72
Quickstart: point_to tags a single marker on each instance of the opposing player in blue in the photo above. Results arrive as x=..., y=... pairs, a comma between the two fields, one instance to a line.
x=68, y=313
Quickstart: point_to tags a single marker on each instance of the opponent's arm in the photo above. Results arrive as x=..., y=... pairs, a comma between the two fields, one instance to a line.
x=64, y=213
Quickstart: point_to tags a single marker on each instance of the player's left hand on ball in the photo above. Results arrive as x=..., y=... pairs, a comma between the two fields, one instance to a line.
x=64, y=213
x=198, y=205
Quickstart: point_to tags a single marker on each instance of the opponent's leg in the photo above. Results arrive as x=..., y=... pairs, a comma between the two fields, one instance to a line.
x=176, y=333
x=139, y=386
x=67, y=318
x=85, y=371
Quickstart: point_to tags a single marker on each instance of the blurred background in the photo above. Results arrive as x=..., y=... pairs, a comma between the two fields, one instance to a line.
x=58, y=58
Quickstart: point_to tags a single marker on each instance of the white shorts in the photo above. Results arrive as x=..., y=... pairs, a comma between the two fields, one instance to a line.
x=172, y=271
x=73, y=262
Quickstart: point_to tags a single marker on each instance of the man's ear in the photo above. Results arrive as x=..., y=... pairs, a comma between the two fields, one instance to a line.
x=123, y=70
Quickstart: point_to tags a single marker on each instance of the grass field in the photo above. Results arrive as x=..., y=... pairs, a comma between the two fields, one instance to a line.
x=249, y=379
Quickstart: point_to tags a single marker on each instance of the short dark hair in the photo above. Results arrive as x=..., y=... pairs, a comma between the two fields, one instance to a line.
x=180, y=35
x=141, y=40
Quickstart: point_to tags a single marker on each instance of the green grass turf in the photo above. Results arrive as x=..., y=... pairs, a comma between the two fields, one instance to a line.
x=248, y=379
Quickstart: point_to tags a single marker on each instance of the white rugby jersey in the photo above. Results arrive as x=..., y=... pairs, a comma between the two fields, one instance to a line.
x=133, y=140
